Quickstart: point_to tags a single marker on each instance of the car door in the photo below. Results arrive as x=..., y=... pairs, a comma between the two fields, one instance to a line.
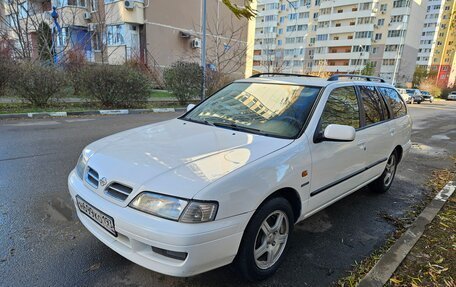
x=336, y=166
x=376, y=133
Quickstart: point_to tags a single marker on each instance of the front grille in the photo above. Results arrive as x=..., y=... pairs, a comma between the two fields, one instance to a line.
x=92, y=177
x=118, y=190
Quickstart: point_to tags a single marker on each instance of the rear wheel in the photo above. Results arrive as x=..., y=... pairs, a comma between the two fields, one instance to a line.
x=383, y=183
x=265, y=240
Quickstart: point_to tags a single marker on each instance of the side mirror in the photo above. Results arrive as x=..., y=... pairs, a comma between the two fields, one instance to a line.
x=340, y=133
x=190, y=107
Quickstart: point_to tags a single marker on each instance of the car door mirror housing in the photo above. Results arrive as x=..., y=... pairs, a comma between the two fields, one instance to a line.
x=190, y=107
x=340, y=133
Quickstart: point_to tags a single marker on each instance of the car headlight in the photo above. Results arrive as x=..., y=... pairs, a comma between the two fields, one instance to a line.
x=82, y=162
x=174, y=208
x=80, y=166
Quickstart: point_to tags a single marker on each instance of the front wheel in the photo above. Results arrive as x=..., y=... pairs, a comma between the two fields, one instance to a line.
x=265, y=240
x=383, y=183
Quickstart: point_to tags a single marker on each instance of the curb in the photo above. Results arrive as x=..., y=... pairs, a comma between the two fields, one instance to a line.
x=86, y=113
x=388, y=263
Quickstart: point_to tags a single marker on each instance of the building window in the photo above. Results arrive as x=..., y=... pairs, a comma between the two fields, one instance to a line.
x=116, y=35
x=401, y=3
x=93, y=5
x=381, y=22
x=293, y=16
x=383, y=7
x=378, y=36
x=396, y=33
x=364, y=34
x=323, y=37
x=279, y=42
x=365, y=6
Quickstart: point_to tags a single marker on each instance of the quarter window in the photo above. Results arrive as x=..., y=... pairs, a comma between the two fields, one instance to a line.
x=374, y=107
x=394, y=101
x=341, y=108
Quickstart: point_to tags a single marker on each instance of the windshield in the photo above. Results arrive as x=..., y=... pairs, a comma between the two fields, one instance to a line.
x=269, y=109
x=424, y=93
x=410, y=92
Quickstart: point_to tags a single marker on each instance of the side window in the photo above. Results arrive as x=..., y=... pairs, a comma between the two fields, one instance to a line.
x=374, y=107
x=394, y=101
x=341, y=108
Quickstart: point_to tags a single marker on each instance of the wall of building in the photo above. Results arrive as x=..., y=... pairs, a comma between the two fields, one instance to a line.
x=172, y=25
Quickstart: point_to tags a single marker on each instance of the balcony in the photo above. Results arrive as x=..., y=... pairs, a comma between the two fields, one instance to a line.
x=328, y=4
x=346, y=29
x=347, y=15
x=343, y=42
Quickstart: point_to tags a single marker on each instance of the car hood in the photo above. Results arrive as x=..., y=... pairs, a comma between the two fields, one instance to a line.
x=176, y=157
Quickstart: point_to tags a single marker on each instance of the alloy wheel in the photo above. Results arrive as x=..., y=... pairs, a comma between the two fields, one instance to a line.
x=271, y=239
x=390, y=170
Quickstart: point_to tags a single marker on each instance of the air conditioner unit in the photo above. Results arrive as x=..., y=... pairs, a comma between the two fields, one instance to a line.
x=375, y=26
x=196, y=43
x=87, y=16
x=129, y=4
x=383, y=12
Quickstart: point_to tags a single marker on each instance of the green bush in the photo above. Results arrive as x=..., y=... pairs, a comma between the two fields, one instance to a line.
x=183, y=79
x=36, y=84
x=115, y=86
x=6, y=67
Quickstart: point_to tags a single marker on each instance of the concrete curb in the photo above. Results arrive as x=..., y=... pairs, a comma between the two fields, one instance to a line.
x=84, y=113
x=388, y=263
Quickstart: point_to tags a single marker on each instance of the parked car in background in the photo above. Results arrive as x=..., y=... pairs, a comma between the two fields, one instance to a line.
x=427, y=96
x=408, y=99
x=452, y=96
x=416, y=95
x=228, y=180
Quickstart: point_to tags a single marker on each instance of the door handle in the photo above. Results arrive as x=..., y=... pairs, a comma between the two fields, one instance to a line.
x=362, y=145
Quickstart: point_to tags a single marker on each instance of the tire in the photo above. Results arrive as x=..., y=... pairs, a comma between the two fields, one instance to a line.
x=419, y=103
x=383, y=183
x=268, y=237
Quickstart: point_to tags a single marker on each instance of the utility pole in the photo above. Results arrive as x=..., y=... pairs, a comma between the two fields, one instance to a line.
x=203, y=52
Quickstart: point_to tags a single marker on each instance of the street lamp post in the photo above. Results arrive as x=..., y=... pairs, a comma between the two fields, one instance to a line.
x=203, y=52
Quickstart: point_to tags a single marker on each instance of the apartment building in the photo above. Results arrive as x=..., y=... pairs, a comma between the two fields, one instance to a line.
x=157, y=32
x=315, y=36
x=437, y=50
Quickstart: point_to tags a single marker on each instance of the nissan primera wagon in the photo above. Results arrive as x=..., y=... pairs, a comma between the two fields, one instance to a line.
x=227, y=181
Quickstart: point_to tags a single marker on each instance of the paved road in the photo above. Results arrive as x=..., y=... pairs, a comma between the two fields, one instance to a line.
x=43, y=243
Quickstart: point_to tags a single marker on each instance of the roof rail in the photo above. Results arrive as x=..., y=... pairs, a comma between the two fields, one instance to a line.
x=351, y=76
x=281, y=74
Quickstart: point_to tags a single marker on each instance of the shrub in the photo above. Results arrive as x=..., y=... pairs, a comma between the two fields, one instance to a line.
x=430, y=86
x=215, y=81
x=6, y=66
x=74, y=64
x=36, y=83
x=183, y=79
x=115, y=86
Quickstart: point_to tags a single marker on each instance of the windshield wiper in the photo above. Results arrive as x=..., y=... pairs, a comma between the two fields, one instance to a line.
x=198, y=122
x=239, y=128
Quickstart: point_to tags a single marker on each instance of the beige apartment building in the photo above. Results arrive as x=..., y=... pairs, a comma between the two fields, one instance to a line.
x=315, y=36
x=157, y=32
x=437, y=51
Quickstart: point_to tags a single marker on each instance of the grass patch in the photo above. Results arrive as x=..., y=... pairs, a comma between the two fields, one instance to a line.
x=438, y=179
x=161, y=94
x=432, y=261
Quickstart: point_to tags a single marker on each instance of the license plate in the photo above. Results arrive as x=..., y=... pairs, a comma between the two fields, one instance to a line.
x=102, y=219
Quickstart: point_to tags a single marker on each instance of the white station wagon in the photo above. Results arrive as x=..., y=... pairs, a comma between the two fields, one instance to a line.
x=226, y=182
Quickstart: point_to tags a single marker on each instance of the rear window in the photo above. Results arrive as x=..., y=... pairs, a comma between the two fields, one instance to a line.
x=394, y=101
x=374, y=107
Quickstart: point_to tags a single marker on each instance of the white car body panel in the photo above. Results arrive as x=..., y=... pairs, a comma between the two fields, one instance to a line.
x=239, y=170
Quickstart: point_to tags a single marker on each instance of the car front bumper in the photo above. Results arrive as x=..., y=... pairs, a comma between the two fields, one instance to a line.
x=208, y=245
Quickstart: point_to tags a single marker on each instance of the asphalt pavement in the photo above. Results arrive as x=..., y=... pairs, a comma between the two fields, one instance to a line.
x=43, y=243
